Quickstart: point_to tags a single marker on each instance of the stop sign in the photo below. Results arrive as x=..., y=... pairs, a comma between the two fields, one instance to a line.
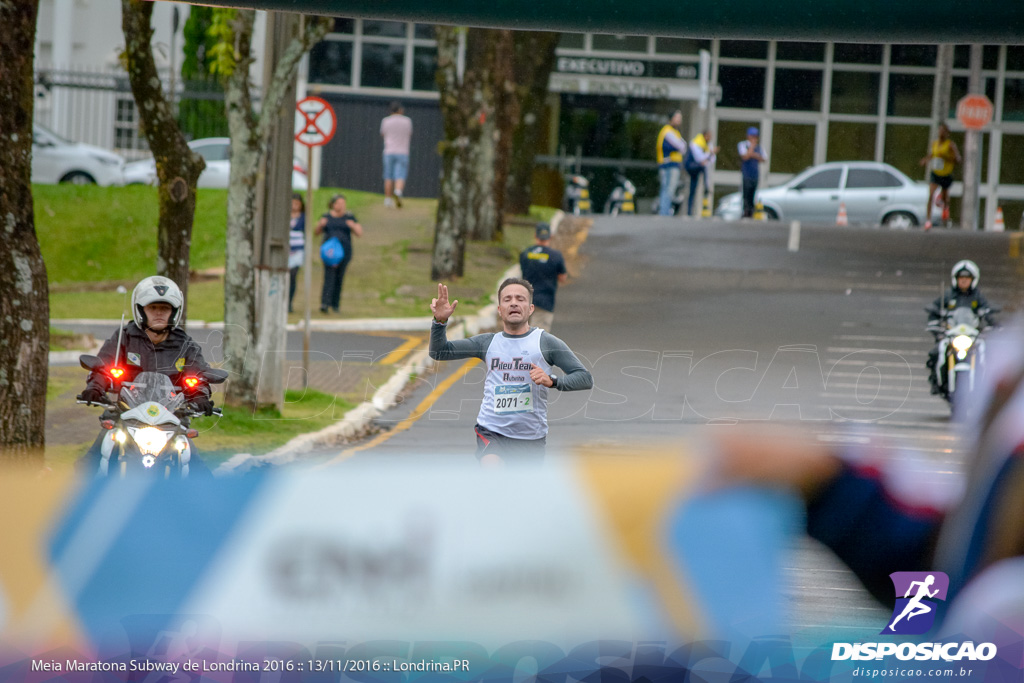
x=974, y=111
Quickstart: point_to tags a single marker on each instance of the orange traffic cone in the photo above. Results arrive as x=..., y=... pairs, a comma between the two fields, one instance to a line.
x=999, y=226
x=841, y=218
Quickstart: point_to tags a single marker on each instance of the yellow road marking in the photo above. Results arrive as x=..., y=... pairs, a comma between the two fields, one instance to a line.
x=408, y=422
x=1015, y=245
x=411, y=342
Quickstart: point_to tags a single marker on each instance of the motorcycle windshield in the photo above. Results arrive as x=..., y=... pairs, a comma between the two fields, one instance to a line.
x=963, y=316
x=152, y=386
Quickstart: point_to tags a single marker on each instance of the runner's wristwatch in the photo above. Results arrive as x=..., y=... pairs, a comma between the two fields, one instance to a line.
x=554, y=381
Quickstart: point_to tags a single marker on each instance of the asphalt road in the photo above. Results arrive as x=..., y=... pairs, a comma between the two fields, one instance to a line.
x=695, y=323
x=690, y=325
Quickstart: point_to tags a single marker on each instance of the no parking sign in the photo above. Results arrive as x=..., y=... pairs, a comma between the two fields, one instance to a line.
x=315, y=122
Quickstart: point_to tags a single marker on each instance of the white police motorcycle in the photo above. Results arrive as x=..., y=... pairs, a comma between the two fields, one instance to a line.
x=147, y=426
x=961, y=357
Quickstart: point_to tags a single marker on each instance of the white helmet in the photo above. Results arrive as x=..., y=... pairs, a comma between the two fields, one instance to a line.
x=152, y=290
x=971, y=267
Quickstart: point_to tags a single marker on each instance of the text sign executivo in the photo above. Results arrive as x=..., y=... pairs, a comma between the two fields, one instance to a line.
x=315, y=122
x=974, y=111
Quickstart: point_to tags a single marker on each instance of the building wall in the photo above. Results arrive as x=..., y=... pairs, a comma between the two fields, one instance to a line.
x=814, y=102
x=354, y=156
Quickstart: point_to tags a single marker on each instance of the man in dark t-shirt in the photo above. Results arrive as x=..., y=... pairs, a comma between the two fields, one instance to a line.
x=544, y=268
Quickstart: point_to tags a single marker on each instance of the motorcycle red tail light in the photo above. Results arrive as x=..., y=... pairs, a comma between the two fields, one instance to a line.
x=191, y=382
x=192, y=433
x=116, y=372
x=107, y=424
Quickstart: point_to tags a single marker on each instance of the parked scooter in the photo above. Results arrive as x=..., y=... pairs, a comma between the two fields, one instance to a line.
x=621, y=200
x=148, y=423
x=678, y=201
x=577, y=195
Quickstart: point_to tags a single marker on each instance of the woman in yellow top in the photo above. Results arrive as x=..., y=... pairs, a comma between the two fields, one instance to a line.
x=942, y=160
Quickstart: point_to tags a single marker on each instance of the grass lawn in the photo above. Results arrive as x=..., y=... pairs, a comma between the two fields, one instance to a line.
x=96, y=238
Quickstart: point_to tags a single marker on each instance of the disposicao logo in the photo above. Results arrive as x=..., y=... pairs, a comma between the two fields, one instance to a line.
x=917, y=597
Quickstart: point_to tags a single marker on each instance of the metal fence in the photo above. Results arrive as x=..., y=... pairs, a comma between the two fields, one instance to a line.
x=95, y=106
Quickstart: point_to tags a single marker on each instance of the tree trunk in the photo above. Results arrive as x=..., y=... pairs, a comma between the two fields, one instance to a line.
x=239, y=280
x=452, y=203
x=495, y=140
x=177, y=166
x=467, y=153
x=249, y=144
x=24, y=294
x=534, y=60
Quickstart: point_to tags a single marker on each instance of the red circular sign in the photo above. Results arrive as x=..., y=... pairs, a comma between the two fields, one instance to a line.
x=315, y=121
x=974, y=112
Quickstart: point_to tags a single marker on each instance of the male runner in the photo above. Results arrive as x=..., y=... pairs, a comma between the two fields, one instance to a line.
x=519, y=361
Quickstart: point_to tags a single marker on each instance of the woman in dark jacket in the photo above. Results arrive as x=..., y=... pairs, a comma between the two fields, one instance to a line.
x=337, y=222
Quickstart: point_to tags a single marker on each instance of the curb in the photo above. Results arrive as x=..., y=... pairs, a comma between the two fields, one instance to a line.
x=353, y=325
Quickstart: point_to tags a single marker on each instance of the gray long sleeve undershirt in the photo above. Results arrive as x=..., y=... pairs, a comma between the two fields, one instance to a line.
x=554, y=350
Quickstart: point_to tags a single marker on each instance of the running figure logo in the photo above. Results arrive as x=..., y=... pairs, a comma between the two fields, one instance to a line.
x=914, y=613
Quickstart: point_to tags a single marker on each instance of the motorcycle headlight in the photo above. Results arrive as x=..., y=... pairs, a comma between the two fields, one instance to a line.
x=962, y=342
x=150, y=440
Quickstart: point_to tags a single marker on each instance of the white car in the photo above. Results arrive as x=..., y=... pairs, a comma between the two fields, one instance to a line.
x=215, y=151
x=56, y=160
x=873, y=193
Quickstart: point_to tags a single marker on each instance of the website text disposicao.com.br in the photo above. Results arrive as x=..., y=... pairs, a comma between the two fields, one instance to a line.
x=898, y=672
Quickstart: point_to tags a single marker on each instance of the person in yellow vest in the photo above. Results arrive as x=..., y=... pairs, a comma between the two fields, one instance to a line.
x=669, y=151
x=942, y=159
x=698, y=156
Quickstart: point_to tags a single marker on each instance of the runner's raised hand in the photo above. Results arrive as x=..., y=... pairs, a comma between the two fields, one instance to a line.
x=441, y=307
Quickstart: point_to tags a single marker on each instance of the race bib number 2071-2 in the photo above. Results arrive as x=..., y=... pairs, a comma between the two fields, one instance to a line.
x=513, y=398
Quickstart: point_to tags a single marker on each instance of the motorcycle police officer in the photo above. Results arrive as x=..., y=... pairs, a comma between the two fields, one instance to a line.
x=964, y=293
x=151, y=342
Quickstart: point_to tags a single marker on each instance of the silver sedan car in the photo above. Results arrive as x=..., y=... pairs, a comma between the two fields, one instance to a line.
x=873, y=194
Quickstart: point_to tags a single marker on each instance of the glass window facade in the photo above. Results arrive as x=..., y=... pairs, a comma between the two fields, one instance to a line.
x=1012, y=173
x=730, y=134
x=744, y=49
x=792, y=147
x=828, y=102
x=905, y=146
x=330, y=62
x=855, y=92
x=1013, y=99
x=913, y=55
x=613, y=43
x=571, y=41
x=1015, y=57
x=680, y=46
x=800, y=52
x=382, y=65
x=989, y=57
x=384, y=29
x=857, y=53
x=424, y=68
x=742, y=86
x=848, y=141
x=797, y=90
x=910, y=95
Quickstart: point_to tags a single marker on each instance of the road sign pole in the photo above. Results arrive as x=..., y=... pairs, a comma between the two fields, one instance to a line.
x=307, y=266
x=972, y=151
x=315, y=125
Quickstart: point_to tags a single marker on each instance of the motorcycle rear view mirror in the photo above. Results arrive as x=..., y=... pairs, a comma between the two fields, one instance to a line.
x=90, y=362
x=215, y=376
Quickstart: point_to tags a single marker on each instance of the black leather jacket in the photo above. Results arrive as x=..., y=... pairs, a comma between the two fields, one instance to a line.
x=955, y=299
x=177, y=355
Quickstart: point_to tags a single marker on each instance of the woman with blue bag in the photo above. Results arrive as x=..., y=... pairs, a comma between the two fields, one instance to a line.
x=337, y=227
